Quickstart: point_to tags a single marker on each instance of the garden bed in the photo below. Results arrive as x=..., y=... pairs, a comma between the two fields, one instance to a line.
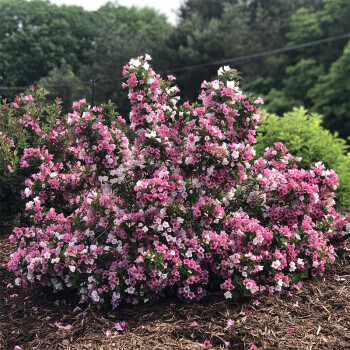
x=315, y=317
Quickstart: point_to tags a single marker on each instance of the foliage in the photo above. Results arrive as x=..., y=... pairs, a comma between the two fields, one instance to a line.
x=65, y=85
x=122, y=33
x=36, y=35
x=317, y=76
x=206, y=33
x=210, y=31
x=304, y=136
x=185, y=208
x=331, y=94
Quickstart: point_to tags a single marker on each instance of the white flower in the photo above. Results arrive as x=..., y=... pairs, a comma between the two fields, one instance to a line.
x=225, y=161
x=95, y=296
x=235, y=154
x=27, y=192
x=224, y=69
x=276, y=264
x=189, y=254
x=215, y=85
x=231, y=84
x=130, y=290
x=134, y=63
x=151, y=134
x=228, y=295
x=71, y=268
x=231, y=194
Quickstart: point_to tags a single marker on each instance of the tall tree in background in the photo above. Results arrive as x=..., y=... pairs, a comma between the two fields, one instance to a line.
x=36, y=35
x=308, y=69
x=63, y=83
x=210, y=31
x=331, y=95
x=125, y=33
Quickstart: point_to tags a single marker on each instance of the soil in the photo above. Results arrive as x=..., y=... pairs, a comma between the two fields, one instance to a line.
x=316, y=317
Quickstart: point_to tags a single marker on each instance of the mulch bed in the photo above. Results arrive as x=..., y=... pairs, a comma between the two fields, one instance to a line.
x=315, y=317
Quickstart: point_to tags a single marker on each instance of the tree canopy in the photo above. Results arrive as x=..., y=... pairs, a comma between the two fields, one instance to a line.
x=37, y=36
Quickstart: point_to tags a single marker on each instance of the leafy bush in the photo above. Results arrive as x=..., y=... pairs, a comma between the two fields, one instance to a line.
x=304, y=136
x=184, y=209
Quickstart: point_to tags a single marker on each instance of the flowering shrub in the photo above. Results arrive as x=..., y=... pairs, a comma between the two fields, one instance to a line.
x=185, y=209
x=25, y=125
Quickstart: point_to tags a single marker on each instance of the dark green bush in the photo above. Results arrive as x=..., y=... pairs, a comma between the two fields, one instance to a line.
x=302, y=133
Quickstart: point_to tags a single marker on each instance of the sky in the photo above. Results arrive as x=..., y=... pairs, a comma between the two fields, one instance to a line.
x=167, y=7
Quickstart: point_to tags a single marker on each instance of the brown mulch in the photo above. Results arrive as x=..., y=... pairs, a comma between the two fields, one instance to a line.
x=315, y=317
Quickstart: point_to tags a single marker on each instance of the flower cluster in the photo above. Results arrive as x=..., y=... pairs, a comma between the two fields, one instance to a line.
x=186, y=208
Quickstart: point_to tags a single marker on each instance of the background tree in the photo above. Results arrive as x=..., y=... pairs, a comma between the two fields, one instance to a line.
x=61, y=82
x=308, y=70
x=125, y=33
x=212, y=31
x=36, y=35
x=331, y=95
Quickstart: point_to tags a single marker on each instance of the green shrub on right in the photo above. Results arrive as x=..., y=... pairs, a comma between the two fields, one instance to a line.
x=301, y=132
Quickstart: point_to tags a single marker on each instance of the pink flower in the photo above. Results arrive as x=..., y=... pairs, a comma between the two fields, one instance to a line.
x=193, y=324
x=338, y=278
x=61, y=326
x=253, y=347
x=230, y=323
x=121, y=326
x=290, y=329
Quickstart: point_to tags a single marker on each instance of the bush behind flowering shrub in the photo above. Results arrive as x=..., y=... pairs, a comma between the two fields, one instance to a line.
x=185, y=209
